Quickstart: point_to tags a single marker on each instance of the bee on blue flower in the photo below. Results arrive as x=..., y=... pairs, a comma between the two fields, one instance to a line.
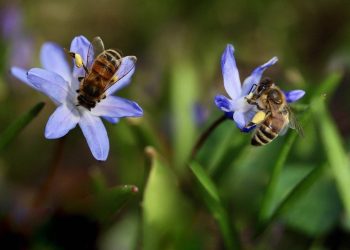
x=64, y=87
x=250, y=104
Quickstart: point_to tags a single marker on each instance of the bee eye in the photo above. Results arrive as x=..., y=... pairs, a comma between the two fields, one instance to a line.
x=274, y=95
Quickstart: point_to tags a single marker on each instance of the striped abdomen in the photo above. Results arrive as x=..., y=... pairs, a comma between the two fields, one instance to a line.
x=106, y=64
x=265, y=133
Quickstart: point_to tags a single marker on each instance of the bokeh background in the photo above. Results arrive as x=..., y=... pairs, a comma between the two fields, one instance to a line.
x=55, y=195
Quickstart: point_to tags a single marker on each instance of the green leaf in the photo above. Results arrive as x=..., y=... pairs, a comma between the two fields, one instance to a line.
x=183, y=96
x=212, y=199
x=307, y=202
x=334, y=150
x=266, y=206
x=313, y=206
x=16, y=127
x=164, y=209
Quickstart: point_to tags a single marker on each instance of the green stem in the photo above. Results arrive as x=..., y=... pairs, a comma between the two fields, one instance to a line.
x=204, y=136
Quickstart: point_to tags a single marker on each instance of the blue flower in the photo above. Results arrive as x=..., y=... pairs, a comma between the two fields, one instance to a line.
x=59, y=82
x=236, y=107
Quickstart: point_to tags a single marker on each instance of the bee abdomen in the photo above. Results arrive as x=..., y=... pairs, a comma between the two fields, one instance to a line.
x=263, y=135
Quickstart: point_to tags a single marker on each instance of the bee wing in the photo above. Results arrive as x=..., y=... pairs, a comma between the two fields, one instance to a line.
x=293, y=122
x=127, y=66
x=96, y=47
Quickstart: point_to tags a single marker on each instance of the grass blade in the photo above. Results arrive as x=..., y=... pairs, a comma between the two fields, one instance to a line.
x=266, y=210
x=211, y=197
x=15, y=128
x=335, y=151
x=293, y=196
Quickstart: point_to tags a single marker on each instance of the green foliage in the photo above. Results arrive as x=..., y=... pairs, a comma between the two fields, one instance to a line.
x=165, y=210
x=183, y=97
x=16, y=126
x=211, y=197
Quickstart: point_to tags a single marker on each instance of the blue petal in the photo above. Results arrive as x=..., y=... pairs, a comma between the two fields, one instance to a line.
x=21, y=75
x=54, y=59
x=61, y=121
x=95, y=134
x=230, y=73
x=51, y=84
x=223, y=103
x=243, y=118
x=111, y=119
x=255, y=77
x=83, y=47
x=229, y=115
x=239, y=119
x=117, y=107
x=294, y=95
x=124, y=73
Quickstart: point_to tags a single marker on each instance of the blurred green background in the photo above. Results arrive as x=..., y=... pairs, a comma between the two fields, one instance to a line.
x=291, y=194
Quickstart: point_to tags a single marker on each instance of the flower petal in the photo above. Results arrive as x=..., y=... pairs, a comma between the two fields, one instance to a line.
x=294, y=95
x=95, y=134
x=21, y=75
x=111, y=119
x=54, y=59
x=223, y=103
x=243, y=118
x=117, y=107
x=255, y=77
x=230, y=73
x=124, y=73
x=51, y=84
x=239, y=119
x=82, y=46
x=61, y=121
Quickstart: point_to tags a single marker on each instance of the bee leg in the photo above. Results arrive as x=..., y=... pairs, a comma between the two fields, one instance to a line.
x=114, y=79
x=78, y=60
x=78, y=90
x=80, y=78
x=104, y=97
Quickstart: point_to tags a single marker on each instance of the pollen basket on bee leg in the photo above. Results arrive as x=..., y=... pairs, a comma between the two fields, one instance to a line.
x=78, y=60
x=259, y=117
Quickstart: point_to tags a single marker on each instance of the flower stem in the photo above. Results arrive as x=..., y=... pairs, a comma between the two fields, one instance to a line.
x=45, y=187
x=204, y=136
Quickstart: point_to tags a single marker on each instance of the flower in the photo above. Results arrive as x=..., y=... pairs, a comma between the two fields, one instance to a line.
x=60, y=84
x=236, y=107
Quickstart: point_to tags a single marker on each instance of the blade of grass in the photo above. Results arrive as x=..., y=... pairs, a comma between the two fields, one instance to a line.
x=335, y=151
x=183, y=95
x=299, y=189
x=16, y=127
x=265, y=211
x=212, y=199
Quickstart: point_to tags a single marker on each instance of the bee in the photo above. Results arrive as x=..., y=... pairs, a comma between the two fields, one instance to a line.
x=274, y=116
x=104, y=71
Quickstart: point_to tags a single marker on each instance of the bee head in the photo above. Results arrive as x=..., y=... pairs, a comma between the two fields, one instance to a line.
x=275, y=96
x=265, y=84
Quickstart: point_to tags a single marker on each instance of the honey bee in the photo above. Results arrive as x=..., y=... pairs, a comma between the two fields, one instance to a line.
x=274, y=116
x=105, y=70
